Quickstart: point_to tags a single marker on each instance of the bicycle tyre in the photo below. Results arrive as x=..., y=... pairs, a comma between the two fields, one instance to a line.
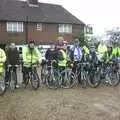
x=114, y=79
x=35, y=80
x=2, y=85
x=83, y=79
x=69, y=80
x=53, y=80
x=94, y=79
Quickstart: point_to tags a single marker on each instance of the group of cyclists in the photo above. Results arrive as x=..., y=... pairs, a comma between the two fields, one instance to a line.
x=60, y=52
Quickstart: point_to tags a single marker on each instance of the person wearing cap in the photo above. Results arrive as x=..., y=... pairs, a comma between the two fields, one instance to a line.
x=2, y=60
x=12, y=59
x=31, y=55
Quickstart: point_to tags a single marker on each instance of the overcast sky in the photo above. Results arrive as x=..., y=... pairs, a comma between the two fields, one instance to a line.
x=101, y=14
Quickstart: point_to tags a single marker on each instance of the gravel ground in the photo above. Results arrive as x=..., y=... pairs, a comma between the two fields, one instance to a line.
x=102, y=103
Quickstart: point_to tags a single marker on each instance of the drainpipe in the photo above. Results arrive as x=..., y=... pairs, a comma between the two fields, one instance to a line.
x=26, y=30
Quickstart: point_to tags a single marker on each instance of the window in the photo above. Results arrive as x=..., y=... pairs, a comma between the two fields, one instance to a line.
x=65, y=28
x=14, y=26
x=39, y=26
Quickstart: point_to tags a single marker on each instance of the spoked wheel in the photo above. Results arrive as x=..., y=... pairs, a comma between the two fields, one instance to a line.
x=26, y=81
x=35, y=80
x=44, y=72
x=114, y=78
x=53, y=80
x=84, y=79
x=12, y=80
x=68, y=79
x=2, y=84
x=94, y=79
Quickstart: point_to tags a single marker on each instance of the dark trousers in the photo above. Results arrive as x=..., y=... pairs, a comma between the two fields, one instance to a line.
x=7, y=73
x=25, y=71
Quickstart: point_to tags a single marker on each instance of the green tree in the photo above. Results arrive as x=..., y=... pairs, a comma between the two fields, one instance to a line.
x=83, y=39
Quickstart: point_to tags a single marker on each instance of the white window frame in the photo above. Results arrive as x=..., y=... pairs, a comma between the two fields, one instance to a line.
x=39, y=26
x=14, y=26
x=65, y=28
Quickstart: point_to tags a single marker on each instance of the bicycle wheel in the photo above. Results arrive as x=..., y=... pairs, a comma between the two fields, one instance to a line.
x=44, y=72
x=26, y=81
x=68, y=79
x=84, y=79
x=35, y=80
x=94, y=79
x=2, y=85
x=53, y=80
x=114, y=78
x=12, y=80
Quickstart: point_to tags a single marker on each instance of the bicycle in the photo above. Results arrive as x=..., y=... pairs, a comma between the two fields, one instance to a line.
x=108, y=74
x=68, y=78
x=53, y=78
x=113, y=73
x=32, y=77
x=81, y=74
x=12, y=77
x=2, y=83
x=94, y=75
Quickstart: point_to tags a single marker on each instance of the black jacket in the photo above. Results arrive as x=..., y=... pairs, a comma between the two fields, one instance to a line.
x=12, y=56
x=50, y=54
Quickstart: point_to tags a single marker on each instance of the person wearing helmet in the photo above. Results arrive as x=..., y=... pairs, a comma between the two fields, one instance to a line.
x=31, y=55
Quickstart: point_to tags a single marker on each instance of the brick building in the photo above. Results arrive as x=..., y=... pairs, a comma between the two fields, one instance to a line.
x=24, y=20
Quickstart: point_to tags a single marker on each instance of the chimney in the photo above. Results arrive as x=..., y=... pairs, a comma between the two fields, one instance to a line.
x=33, y=3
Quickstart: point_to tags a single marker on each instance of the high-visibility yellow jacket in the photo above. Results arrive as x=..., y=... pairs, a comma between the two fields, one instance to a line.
x=86, y=50
x=2, y=60
x=31, y=56
x=63, y=62
x=116, y=52
x=102, y=49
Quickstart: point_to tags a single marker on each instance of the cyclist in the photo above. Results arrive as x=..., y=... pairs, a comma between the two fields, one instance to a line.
x=76, y=57
x=76, y=51
x=61, y=56
x=31, y=55
x=92, y=59
x=12, y=59
x=50, y=53
x=2, y=60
